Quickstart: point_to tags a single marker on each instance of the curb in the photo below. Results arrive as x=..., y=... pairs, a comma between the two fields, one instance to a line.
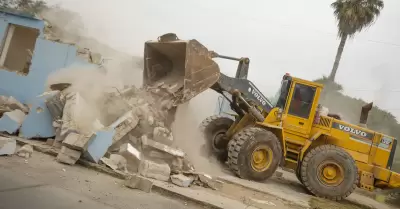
x=46, y=149
x=168, y=193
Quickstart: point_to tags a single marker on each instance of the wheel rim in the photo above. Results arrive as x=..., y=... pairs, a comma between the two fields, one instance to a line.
x=330, y=173
x=217, y=140
x=261, y=158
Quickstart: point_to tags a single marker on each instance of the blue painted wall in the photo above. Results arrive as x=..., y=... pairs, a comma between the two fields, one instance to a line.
x=48, y=57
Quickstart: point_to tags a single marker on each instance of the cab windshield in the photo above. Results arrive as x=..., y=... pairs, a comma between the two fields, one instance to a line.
x=279, y=99
x=274, y=100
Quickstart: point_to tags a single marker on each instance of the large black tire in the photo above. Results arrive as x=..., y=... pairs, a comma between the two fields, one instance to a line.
x=241, y=153
x=214, y=129
x=298, y=173
x=315, y=162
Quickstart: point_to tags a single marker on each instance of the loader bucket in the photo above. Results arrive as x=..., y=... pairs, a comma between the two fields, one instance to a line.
x=183, y=67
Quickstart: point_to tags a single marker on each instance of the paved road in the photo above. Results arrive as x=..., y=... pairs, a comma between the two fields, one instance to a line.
x=42, y=183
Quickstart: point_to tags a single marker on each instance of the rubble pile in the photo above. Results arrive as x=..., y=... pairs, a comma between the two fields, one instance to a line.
x=133, y=135
x=12, y=114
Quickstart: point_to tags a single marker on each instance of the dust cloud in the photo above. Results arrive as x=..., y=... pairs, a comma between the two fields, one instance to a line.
x=188, y=137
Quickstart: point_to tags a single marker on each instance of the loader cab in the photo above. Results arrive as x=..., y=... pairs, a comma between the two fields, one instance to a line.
x=298, y=100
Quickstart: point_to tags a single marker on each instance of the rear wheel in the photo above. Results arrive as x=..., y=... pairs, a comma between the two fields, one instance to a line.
x=214, y=130
x=254, y=153
x=298, y=173
x=329, y=172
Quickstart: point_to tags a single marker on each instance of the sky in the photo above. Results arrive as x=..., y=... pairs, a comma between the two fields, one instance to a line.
x=298, y=37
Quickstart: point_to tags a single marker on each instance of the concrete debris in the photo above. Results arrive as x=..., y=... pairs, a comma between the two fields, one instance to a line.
x=177, y=165
x=162, y=147
x=157, y=154
x=12, y=121
x=138, y=182
x=159, y=171
x=132, y=155
x=262, y=204
x=55, y=104
x=120, y=161
x=208, y=181
x=7, y=146
x=57, y=144
x=133, y=115
x=68, y=156
x=8, y=104
x=116, y=162
x=124, y=125
x=76, y=141
x=187, y=166
x=25, y=151
x=182, y=180
x=163, y=135
x=108, y=162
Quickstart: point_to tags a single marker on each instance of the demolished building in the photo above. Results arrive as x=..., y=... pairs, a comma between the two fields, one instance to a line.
x=126, y=128
x=26, y=60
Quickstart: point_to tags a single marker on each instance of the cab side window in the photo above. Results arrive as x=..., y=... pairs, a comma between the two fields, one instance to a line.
x=302, y=101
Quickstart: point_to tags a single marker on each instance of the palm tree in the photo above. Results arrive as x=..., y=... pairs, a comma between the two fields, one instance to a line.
x=352, y=16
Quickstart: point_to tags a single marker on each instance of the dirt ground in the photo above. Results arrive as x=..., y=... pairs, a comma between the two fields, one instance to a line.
x=62, y=186
x=43, y=183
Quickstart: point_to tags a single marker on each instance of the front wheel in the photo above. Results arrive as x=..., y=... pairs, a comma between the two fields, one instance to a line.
x=214, y=130
x=254, y=153
x=329, y=172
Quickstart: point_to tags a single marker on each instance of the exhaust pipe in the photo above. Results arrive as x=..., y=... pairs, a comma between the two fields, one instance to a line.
x=364, y=114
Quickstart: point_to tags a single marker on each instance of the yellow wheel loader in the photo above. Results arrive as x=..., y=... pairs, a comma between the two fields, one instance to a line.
x=329, y=156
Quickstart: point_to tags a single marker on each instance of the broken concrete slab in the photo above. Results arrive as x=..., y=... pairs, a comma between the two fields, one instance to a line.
x=163, y=135
x=146, y=142
x=55, y=104
x=76, y=141
x=25, y=151
x=31, y=128
x=124, y=125
x=132, y=155
x=177, y=165
x=150, y=169
x=68, y=156
x=108, y=162
x=10, y=122
x=98, y=144
x=182, y=180
x=138, y=182
x=120, y=161
x=11, y=104
x=155, y=154
x=115, y=162
x=7, y=146
x=129, y=151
